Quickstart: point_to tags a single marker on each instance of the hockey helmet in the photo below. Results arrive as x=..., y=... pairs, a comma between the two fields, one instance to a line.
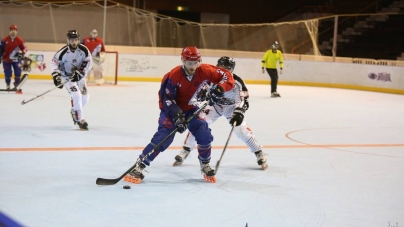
x=73, y=39
x=72, y=34
x=94, y=33
x=13, y=27
x=190, y=53
x=227, y=63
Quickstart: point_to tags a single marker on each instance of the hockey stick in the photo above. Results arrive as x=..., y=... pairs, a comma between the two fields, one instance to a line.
x=225, y=146
x=22, y=81
x=103, y=181
x=25, y=102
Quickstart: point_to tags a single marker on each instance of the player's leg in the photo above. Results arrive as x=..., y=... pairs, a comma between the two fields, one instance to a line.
x=17, y=75
x=7, y=73
x=77, y=100
x=84, y=92
x=17, y=72
x=245, y=134
x=210, y=115
x=164, y=129
x=97, y=70
x=200, y=129
x=273, y=73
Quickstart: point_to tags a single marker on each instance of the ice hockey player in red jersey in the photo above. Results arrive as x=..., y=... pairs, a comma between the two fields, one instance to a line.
x=12, y=50
x=97, y=49
x=177, y=101
x=233, y=113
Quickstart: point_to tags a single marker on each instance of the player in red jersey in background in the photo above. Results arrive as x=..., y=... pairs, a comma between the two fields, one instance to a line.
x=97, y=49
x=12, y=50
x=178, y=101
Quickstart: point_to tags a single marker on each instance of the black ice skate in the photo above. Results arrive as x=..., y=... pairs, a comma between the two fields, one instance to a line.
x=136, y=175
x=180, y=158
x=261, y=160
x=208, y=173
x=83, y=125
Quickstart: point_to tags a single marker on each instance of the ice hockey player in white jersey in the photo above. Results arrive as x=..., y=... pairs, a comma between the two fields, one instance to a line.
x=70, y=65
x=233, y=113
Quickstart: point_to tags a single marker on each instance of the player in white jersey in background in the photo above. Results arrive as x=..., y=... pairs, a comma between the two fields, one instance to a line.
x=233, y=113
x=71, y=64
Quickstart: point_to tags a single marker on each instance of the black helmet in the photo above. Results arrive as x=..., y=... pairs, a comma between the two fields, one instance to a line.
x=72, y=34
x=227, y=62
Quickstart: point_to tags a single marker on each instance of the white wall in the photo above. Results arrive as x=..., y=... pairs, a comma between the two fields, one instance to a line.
x=150, y=64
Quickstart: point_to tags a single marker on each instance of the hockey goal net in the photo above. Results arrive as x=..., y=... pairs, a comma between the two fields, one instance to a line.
x=109, y=70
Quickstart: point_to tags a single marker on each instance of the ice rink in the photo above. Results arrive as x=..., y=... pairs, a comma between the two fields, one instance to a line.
x=336, y=159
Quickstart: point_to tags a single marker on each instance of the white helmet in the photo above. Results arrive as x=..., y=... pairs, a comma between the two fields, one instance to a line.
x=94, y=33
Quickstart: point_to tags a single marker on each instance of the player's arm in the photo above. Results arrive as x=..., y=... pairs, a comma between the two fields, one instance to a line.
x=222, y=78
x=102, y=45
x=87, y=63
x=2, y=43
x=264, y=59
x=55, y=66
x=57, y=58
x=280, y=60
x=243, y=93
x=22, y=46
x=168, y=93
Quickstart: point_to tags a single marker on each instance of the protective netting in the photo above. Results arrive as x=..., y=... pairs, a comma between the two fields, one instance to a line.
x=127, y=26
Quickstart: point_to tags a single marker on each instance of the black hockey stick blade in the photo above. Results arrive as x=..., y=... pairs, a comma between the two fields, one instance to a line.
x=224, y=149
x=103, y=181
x=12, y=89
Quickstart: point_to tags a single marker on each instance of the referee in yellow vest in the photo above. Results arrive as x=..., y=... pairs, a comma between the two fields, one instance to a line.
x=271, y=57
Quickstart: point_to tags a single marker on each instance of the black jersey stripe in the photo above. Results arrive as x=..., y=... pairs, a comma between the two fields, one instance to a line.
x=84, y=49
x=62, y=51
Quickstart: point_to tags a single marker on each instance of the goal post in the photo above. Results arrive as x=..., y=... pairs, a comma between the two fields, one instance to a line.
x=109, y=69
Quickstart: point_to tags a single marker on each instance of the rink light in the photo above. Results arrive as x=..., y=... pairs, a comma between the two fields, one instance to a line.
x=182, y=8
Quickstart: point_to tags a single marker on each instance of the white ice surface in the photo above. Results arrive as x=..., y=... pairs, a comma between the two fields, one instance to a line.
x=354, y=177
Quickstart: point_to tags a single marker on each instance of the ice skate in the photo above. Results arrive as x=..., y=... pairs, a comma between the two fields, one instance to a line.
x=180, y=158
x=275, y=95
x=136, y=175
x=8, y=87
x=208, y=173
x=261, y=160
x=83, y=125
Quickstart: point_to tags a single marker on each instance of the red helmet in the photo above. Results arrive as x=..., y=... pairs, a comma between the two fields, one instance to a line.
x=13, y=27
x=190, y=53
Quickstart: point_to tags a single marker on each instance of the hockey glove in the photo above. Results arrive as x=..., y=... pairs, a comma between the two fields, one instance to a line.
x=238, y=116
x=215, y=95
x=77, y=76
x=180, y=122
x=57, y=80
x=19, y=56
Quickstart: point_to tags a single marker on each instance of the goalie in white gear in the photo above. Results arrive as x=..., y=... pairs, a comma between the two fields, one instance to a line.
x=234, y=113
x=97, y=50
x=73, y=62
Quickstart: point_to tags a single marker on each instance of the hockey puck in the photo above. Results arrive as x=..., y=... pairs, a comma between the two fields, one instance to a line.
x=126, y=187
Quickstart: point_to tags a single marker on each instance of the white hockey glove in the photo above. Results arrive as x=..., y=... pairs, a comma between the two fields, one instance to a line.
x=280, y=71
